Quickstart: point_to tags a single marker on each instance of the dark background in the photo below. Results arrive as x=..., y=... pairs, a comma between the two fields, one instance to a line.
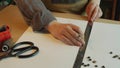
x=110, y=8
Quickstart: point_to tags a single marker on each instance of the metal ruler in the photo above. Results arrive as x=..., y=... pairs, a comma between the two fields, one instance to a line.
x=81, y=52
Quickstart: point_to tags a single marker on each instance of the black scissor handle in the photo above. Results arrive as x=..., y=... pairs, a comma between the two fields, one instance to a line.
x=23, y=43
x=19, y=51
x=36, y=50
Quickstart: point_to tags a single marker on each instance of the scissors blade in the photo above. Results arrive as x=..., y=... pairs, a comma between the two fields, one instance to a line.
x=81, y=52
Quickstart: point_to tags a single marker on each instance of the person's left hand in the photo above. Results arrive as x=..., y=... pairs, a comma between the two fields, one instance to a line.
x=93, y=11
x=68, y=33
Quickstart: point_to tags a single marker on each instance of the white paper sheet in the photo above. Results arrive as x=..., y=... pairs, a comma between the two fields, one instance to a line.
x=53, y=53
x=104, y=38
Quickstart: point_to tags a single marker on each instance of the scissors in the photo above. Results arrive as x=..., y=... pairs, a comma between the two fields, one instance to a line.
x=20, y=49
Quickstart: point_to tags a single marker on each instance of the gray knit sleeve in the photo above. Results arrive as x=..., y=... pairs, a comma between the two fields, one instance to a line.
x=35, y=13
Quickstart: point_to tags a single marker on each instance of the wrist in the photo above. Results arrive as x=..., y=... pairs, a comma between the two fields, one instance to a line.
x=50, y=24
x=95, y=1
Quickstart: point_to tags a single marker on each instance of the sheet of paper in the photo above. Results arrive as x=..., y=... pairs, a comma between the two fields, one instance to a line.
x=53, y=53
x=104, y=38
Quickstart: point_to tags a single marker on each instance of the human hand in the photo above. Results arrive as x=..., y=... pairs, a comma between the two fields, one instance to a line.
x=67, y=33
x=93, y=10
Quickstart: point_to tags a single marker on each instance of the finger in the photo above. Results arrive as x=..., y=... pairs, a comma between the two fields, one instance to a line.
x=90, y=10
x=76, y=29
x=99, y=14
x=79, y=36
x=72, y=39
x=65, y=40
x=94, y=14
x=72, y=32
x=76, y=32
x=82, y=41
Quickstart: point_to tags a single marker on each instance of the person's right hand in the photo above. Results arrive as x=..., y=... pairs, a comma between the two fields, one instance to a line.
x=67, y=33
x=93, y=10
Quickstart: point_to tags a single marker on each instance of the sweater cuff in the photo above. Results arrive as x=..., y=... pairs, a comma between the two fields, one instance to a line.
x=42, y=19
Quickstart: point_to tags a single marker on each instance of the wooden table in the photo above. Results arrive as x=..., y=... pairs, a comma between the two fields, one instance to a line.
x=12, y=17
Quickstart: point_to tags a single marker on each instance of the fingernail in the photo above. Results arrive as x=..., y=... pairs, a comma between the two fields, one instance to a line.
x=80, y=44
x=83, y=42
